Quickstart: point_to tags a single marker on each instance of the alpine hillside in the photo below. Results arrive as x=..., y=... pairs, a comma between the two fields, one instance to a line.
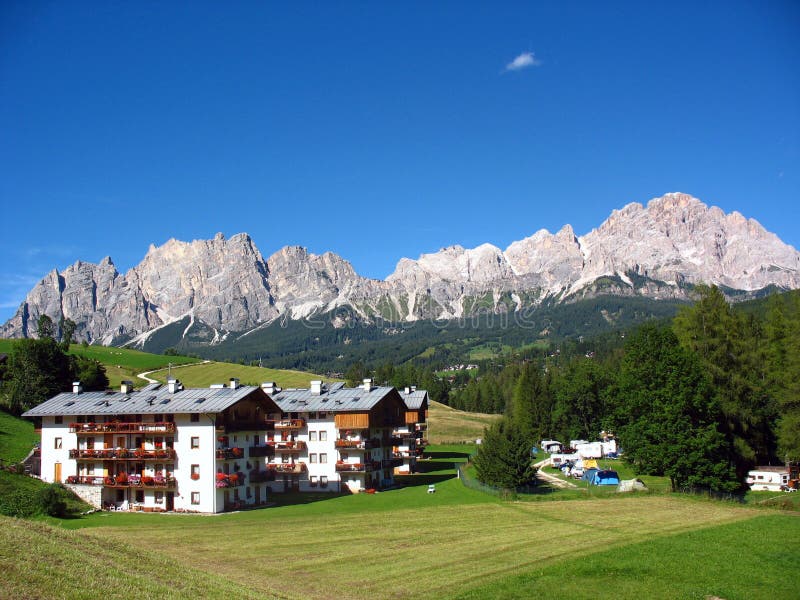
x=222, y=287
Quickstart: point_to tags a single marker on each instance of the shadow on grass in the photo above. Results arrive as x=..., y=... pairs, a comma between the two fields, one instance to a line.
x=457, y=456
x=423, y=479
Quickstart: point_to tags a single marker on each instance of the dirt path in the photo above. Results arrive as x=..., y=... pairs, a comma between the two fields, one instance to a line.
x=552, y=479
x=150, y=380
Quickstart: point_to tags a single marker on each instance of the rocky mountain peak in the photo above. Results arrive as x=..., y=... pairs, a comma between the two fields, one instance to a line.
x=227, y=285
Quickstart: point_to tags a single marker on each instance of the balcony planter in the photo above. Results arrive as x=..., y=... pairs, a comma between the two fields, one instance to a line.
x=195, y=476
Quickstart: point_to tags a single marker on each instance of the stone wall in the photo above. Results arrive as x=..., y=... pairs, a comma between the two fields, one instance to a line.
x=91, y=494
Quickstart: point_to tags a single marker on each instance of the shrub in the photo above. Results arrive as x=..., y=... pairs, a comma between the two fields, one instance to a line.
x=18, y=503
x=52, y=500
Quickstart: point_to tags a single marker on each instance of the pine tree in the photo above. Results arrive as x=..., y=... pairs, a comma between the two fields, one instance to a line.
x=666, y=414
x=504, y=457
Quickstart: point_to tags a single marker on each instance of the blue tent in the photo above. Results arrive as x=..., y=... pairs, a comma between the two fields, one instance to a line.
x=588, y=474
x=604, y=477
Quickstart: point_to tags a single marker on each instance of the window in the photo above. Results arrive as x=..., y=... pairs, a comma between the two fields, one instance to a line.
x=313, y=481
x=312, y=436
x=195, y=497
x=159, y=497
x=169, y=418
x=195, y=472
x=312, y=457
x=322, y=415
x=58, y=443
x=323, y=481
x=323, y=436
x=195, y=442
x=140, y=496
x=323, y=458
x=194, y=417
x=59, y=419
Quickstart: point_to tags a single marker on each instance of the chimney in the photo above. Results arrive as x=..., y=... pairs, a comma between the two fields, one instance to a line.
x=76, y=387
x=126, y=387
x=316, y=388
x=234, y=383
x=173, y=385
x=408, y=390
x=368, y=385
x=413, y=388
x=269, y=387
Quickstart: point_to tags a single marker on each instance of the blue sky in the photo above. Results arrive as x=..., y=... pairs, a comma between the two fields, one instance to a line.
x=381, y=130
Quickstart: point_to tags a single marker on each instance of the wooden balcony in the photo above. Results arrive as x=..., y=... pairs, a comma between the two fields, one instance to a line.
x=228, y=481
x=389, y=463
x=229, y=453
x=292, y=468
x=345, y=467
x=288, y=446
x=135, y=454
x=130, y=481
x=290, y=424
x=357, y=444
x=162, y=427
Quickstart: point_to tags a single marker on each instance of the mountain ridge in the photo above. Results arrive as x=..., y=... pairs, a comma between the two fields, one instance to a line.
x=227, y=285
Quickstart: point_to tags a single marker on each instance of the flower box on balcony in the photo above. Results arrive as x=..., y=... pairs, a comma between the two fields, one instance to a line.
x=195, y=476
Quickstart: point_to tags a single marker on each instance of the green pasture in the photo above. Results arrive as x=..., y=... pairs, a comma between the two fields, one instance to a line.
x=407, y=543
x=16, y=438
x=206, y=373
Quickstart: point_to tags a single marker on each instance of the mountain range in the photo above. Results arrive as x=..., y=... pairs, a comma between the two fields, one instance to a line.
x=222, y=287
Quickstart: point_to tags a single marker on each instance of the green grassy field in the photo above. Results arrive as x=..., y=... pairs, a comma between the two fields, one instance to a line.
x=16, y=438
x=120, y=363
x=447, y=424
x=406, y=543
x=204, y=374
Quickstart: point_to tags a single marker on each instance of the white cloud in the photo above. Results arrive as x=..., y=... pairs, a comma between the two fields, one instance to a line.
x=523, y=61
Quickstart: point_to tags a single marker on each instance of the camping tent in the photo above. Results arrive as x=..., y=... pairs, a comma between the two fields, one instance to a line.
x=588, y=473
x=604, y=477
x=631, y=485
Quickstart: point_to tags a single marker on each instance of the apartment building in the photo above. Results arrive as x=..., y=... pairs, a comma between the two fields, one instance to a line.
x=161, y=448
x=334, y=438
x=166, y=448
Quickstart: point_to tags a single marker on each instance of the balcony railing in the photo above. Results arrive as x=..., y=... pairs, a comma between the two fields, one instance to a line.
x=393, y=441
x=290, y=424
x=358, y=444
x=344, y=467
x=229, y=453
x=123, y=454
x=388, y=463
x=288, y=446
x=293, y=468
x=229, y=481
x=130, y=481
x=261, y=451
x=93, y=428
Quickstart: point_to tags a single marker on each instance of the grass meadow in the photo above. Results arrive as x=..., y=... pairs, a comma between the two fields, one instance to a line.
x=204, y=374
x=406, y=543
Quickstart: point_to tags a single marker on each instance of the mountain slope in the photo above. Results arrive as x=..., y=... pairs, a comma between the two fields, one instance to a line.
x=210, y=290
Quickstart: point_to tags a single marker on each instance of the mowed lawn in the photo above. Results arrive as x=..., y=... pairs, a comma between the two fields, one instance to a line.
x=447, y=424
x=456, y=543
x=203, y=375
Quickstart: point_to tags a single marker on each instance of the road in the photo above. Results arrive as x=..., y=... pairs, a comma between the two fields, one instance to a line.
x=552, y=479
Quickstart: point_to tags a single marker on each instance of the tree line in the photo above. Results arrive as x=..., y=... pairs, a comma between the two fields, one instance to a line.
x=702, y=399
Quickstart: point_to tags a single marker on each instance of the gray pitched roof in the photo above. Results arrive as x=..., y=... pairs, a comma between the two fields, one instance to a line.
x=415, y=399
x=153, y=399
x=333, y=398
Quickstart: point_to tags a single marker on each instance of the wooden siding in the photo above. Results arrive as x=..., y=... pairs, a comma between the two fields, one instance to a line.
x=412, y=417
x=351, y=420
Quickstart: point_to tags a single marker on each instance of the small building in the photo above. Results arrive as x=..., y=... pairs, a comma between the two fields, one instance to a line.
x=773, y=479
